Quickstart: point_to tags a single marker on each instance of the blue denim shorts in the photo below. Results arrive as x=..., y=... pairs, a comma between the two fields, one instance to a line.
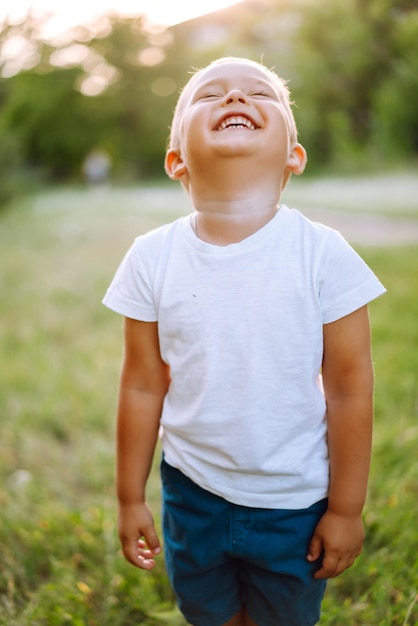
x=221, y=556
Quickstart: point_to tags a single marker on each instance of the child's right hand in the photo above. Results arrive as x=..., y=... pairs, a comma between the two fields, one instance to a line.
x=139, y=540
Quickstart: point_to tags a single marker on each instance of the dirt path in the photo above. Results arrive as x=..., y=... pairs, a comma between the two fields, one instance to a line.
x=372, y=211
x=363, y=210
x=368, y=229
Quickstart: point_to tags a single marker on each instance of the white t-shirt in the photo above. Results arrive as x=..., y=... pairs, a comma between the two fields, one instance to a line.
x=241, y=327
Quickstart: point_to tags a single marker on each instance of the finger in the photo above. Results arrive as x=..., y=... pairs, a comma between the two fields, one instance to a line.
x=138, y=556
x=330, y=567
x=344, y=564
x=145, y=552
x=130, y=551
x=145, y=561
x=151, y=540
x=348, y=560
x=315, y=549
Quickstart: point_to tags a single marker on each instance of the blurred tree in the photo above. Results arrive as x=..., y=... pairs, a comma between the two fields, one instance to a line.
x=138, y=110
x=91, y=93
x=396, y=102
x=112, y=85
x=52, y=121
x=350, y=54
x=11, y=163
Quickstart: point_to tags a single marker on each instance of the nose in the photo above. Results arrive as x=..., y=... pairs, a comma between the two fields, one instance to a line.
x=235, y=95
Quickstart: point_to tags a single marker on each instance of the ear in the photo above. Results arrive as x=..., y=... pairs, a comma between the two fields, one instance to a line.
x=174, y=165
x=297, y=159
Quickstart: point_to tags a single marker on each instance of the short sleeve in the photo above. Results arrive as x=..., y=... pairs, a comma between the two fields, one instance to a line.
x=346, y=281
x=130, y=292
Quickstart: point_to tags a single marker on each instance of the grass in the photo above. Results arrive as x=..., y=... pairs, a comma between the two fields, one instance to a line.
x=61, y=350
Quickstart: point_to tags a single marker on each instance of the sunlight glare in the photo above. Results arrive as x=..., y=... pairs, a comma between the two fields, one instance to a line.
x=65, y=15
x=168, y=12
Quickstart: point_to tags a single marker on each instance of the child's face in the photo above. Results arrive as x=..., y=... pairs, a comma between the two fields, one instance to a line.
x=234, y=109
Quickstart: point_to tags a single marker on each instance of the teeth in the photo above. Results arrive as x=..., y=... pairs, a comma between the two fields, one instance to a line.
x=235, y=122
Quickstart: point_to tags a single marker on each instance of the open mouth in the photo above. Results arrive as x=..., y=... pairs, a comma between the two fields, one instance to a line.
x=236, y=121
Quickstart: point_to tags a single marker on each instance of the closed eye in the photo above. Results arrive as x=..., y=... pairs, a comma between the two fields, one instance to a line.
x=208, y=96
x=263, y=94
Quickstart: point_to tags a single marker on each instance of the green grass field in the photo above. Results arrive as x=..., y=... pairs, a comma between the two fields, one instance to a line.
x=60, y=561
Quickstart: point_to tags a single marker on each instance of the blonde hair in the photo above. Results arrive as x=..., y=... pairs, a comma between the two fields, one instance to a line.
x=279, y=84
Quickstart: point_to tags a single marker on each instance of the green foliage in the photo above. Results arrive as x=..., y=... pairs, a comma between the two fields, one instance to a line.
x=397, y=127
x=10, y=157
x=10, y=164
x=59, y=550
x=356, y=81
x=54, y=122
x=382, y=587
x=61, y=350
x=352, y=67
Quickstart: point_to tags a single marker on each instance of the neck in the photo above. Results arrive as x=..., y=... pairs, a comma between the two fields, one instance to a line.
x=230, y=208
x=223, y=228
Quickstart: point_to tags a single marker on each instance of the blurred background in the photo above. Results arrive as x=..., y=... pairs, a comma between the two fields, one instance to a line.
x=87, y=91
x=88, y=94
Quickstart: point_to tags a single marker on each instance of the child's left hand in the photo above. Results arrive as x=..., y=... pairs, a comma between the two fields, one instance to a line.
x=339, y=540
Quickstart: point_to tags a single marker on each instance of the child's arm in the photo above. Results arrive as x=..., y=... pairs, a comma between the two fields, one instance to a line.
x=143, y=385
x=348, y=383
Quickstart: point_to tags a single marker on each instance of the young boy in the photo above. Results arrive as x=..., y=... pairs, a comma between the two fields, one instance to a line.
x=232, y=315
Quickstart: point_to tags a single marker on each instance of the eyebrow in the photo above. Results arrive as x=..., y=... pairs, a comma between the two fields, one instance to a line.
x=217, y=82
x=210, y=83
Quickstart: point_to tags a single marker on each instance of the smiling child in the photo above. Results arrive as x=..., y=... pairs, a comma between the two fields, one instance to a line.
x=233, y=314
